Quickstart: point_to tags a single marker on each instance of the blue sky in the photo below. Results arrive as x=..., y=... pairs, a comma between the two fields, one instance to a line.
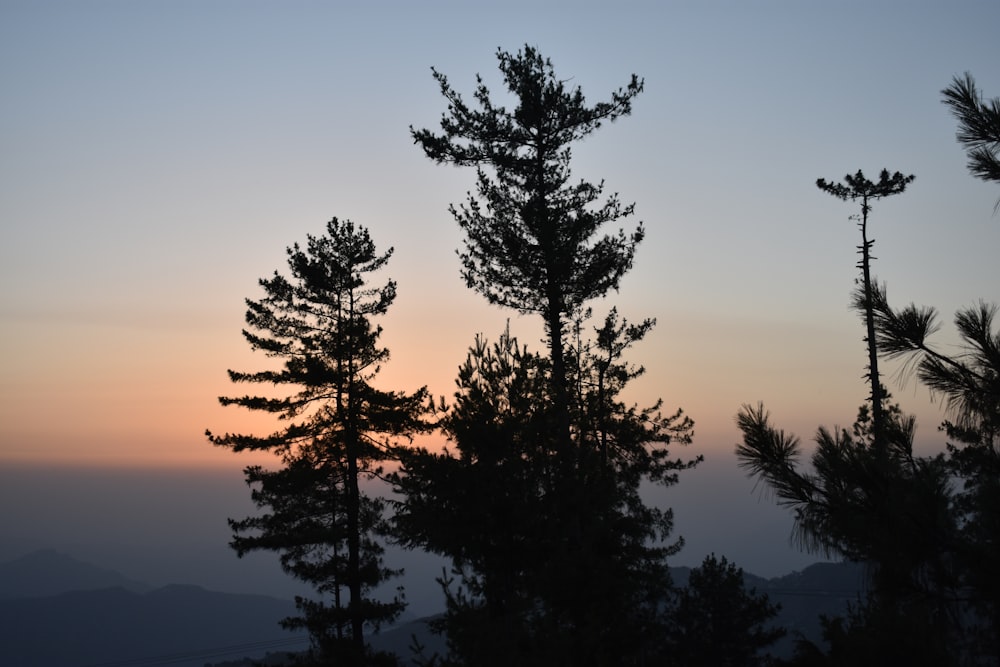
x=157, y=157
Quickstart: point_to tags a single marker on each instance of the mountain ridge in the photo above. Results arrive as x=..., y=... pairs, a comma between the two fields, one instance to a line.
x=102, y=616
x=47, y=572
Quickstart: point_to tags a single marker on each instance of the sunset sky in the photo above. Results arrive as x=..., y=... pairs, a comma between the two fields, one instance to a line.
x=157, y=157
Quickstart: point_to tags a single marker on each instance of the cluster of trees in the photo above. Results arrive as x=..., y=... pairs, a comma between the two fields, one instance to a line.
x=928, y=527
x=556, y=558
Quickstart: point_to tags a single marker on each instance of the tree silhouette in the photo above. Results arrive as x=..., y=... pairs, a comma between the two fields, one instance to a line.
x=570, y=565
x=718, y=623
x=886, y=508
x=532, y=236
x=969, y=382
x=545, y=569
x=969, y=385
x=868, y=498
x=484, y=505
x=339, y=427
x=978, y=127
x=859, y=188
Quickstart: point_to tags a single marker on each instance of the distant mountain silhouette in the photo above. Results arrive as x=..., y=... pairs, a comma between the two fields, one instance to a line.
x=185, y=626
x=820, y=589
x=826, y=579
x=47, y=572
x=57, y=611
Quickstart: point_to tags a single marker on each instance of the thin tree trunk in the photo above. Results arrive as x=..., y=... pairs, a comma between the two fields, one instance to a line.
x=354, y=547
x=878, y=414
x=353, y=499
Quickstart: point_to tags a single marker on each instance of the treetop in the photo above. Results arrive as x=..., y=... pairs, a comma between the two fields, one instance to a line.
x=548, y=112
x=857, y=186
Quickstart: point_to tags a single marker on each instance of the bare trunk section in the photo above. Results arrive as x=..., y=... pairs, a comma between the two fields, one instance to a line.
x=878, y=412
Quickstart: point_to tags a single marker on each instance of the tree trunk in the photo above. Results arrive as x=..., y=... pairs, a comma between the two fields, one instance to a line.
x=355, y=609
x=354, y=547
x=878, y=413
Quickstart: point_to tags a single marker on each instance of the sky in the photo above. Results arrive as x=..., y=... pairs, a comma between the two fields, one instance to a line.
x=156, y=158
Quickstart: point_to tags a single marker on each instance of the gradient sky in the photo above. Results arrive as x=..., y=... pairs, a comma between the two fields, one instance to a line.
x=157, y=157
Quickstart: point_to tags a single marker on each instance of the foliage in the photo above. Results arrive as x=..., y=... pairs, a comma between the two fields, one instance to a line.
x=969, y=385
x=884, y=507
x=482, y=506
x=338, y=429
x=547, y=567
x=718, y=623
x=889, y=511
x=873, y=635
x=969, y=382
x=978, y=126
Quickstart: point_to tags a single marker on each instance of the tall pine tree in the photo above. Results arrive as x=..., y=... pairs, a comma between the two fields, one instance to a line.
x=860, y=189
x=338, y=429
x=557, y=558
x=533, y=240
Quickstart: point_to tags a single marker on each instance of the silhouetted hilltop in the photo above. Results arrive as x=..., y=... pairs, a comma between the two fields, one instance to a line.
x=48, y=572
x=681, y=575
x=57, y=611
x=829, y=579
x=186, y=624
x=189, y=626
x=820, y=589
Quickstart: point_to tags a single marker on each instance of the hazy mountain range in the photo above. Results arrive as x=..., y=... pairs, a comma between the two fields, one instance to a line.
x=56, y=611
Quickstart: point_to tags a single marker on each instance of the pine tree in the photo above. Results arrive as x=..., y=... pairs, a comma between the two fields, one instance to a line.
x=978, y=127
x=486, y=504
x=533, y=239
x=547, y=568
x=718, y=622
x=969, y=385
x=885, y=508
x=859, y=188
x=557, y=560
x=338, y=430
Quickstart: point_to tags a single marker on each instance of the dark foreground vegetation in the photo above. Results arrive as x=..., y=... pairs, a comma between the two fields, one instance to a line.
x=57, y=611
x=556, y=559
